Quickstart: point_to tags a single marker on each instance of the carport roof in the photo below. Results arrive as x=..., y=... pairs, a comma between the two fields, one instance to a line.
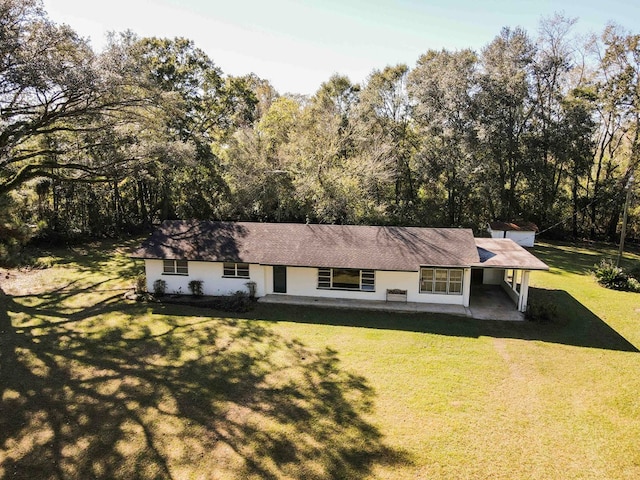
x=505, y=253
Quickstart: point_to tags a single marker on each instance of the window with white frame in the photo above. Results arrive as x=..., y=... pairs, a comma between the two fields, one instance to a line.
x=175, y=267
x=239, y=270
x=442, y=281
x=346, y=279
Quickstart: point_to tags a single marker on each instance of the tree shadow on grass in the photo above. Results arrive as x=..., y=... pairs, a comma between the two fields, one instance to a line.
x=579, y=258
x=563, y=259
x=174, y=397
x=97, y=256
x=575, y=324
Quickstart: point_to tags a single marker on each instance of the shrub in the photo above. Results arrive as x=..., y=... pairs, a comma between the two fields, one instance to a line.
x=159, y=288
x=633, y=284
x=252, y=289
x=634, y=272
x=239, y=302
x=141, y=284
x=195, y=287
x=610, y=276
x=544, y=312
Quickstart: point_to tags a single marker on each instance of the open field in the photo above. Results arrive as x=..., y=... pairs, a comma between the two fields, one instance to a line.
x=93, y=386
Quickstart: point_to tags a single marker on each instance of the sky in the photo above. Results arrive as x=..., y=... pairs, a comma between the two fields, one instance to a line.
x=298, y=44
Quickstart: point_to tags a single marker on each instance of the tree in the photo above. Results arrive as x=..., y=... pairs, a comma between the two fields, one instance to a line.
x=202, y=110
x=320, y=151
x=618, y=152
x=50, y=84
x=387, y=140
x=551, y=141
x=505, y=110
x=578, y=132
x=442, y=86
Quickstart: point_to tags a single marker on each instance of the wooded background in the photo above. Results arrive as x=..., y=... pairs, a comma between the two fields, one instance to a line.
x=542, y=127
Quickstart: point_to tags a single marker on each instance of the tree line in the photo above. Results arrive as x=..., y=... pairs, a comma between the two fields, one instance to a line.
x=542, y=128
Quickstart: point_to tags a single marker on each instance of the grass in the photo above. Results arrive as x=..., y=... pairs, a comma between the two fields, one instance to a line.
x=93, y=386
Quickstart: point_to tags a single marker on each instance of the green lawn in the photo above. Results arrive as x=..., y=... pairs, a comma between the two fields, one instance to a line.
x=93, y=386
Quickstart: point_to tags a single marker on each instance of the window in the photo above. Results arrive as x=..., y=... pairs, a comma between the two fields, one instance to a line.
x=441, y=281
x=324, y=278
x=175, y=267
x=455, y=281
x=240, y=270
x=368, y=280
x=346, y=279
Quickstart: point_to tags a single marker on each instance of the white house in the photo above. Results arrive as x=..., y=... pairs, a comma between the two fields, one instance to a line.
x=523, y=233
x=422, y=265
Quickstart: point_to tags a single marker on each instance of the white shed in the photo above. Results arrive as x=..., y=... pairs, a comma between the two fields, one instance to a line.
x=523, y=233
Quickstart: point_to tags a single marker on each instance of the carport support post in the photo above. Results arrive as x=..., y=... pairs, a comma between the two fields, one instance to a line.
x=466, y=287
x=524, y=291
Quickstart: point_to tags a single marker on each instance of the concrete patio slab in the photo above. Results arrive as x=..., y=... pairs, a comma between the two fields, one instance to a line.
x=491, y=302
x=380, y=305
x=502, y=309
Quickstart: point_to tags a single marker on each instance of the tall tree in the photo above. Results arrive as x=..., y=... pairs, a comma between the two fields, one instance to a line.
x=259, y=171
x=320, y=149
x=443, y=85
x=50, y=84
x=547, y=154
x=620, y=87
x=204, y=109
x=386, y=132
x=505, y=109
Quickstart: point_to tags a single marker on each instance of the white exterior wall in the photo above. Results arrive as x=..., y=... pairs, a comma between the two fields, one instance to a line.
x=303, y=281
x=522, y=238
x=492, y=276
x=211, y=275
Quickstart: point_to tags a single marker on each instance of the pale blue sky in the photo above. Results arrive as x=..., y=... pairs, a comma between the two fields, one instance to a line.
x=297, y=45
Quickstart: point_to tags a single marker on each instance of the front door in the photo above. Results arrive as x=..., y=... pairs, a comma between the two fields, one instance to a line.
x=279, y=279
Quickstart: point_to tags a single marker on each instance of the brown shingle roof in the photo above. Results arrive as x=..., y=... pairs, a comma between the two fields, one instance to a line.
x=505, y=253
x=518, y=226
x=340, y=246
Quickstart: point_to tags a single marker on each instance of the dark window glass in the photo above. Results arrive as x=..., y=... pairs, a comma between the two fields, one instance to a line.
x=346, y=278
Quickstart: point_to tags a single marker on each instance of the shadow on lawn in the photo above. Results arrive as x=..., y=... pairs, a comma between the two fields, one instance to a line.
x=579, y=258
x=210, y=398
x=563, y=260
x=97, y=256
x=576, y=324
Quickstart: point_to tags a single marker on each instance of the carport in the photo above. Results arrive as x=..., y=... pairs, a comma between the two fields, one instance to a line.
x=505, y=263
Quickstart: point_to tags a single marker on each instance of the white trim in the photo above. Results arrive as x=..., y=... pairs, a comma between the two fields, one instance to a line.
x=434, y=280
x=524, y=291
x=235, y=270
x=466, y=287
x=518, y=292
